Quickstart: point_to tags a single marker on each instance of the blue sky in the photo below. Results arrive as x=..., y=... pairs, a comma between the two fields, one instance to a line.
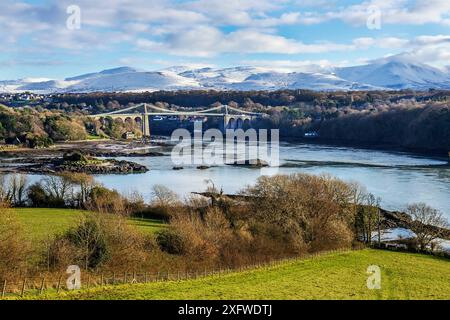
x=41, y=39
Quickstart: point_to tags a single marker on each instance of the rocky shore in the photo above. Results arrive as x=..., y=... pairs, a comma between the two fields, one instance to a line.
x=91, y=158
x=77, y=162
x=255, y=163
x=397, y=219
x=92, y=148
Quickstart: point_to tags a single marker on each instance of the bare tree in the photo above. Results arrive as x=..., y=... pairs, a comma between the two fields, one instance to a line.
x=163, y=196
x=58, y=188
x=17, y=190
x=89, y=238
x=374, y=217
x=428, y=224
x=85, y=183
x=3, y=189
x=368, y=219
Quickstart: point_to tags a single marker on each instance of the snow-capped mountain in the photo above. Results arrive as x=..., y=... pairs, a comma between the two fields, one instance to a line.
x=221, y=78
x=295, y=80
x=134, y=81
x=14, y=85
x=395, y=72
x=108, y=72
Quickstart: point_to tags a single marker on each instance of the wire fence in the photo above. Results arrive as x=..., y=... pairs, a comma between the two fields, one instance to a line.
x=58, y=283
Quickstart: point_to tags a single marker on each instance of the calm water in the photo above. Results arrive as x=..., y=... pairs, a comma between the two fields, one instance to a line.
x=398, y=178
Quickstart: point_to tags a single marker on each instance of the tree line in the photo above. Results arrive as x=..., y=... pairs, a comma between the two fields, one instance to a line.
x=402, y=119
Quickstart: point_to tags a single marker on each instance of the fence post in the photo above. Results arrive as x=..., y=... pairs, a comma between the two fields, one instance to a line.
x=4, y=288
x=23, y=287
x=89, y=281
x=114, y=278
x=59, y=284
x=102, y=280
x=42, y=286
x=125, y=277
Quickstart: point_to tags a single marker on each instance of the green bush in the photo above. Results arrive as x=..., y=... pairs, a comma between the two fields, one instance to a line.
x=37, y=196
x=86, y=244
x=170, y=241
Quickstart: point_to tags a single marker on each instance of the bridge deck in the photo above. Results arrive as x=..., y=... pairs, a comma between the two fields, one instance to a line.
x=124, y=115
x=157, y=111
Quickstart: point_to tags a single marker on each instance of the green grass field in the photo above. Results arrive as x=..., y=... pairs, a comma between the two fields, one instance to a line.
x=40, y=223
x=332, y=276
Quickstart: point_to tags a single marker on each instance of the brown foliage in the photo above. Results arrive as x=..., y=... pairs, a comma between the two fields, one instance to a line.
x=428, y=225
x=100, y=241
x=311, y=210
x=104, y=200
x=14, y=247
x=203, y=238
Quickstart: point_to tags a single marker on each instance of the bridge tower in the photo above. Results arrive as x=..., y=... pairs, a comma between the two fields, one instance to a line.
x=226, y=118
x=145, y=123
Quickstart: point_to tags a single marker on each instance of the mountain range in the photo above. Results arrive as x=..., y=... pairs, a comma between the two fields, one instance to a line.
x=393, y=73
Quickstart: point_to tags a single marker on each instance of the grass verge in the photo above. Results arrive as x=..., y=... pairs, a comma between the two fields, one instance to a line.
x=331, y=276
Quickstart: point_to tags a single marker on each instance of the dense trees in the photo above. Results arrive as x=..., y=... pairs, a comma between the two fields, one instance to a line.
x=404, y=124
x=407, y=119
x=202, y=98
x=38, y=127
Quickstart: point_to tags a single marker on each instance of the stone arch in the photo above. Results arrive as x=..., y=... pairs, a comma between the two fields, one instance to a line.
x=239, y=123
x=108, y=121
x=231, y=123
x=247, y=124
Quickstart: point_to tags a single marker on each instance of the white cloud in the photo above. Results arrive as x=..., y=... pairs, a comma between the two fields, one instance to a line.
x=207, y=28
x=412, y=12
x=206, y=41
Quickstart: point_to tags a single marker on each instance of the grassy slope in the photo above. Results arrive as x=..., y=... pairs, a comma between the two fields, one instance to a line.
x=40, y=223
x=334, y=276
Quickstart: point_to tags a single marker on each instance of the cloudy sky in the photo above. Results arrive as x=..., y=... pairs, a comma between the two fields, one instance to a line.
x=60, y=38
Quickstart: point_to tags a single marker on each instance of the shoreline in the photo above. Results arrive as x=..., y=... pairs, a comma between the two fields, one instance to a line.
x=25, y=160
x=97, y=147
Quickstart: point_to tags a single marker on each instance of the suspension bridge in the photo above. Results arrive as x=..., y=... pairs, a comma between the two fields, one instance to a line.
x=233, y=118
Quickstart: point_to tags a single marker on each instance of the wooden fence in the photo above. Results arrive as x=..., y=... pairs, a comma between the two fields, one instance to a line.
x=39, y=285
